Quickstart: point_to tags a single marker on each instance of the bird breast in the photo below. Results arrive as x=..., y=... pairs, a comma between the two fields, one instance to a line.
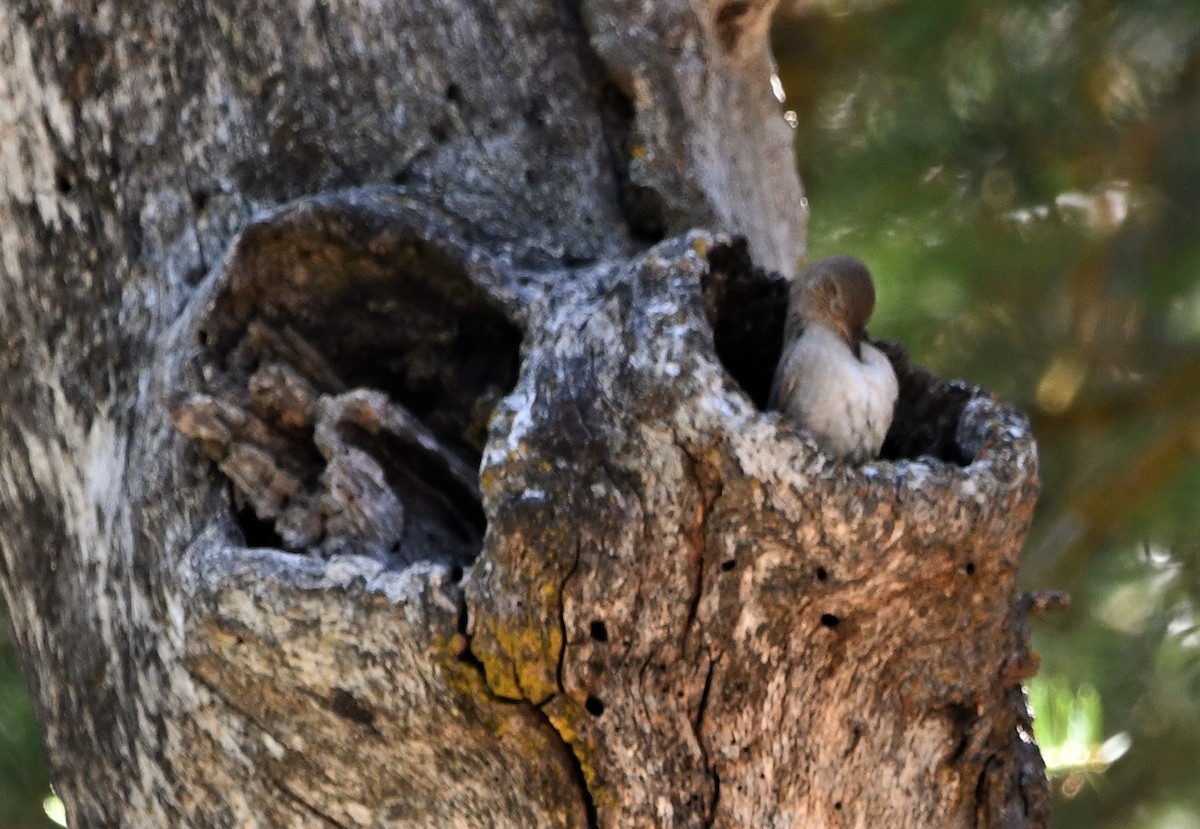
x=847, y=403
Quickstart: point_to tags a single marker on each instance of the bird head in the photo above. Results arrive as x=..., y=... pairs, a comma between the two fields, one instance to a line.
x=836, y=292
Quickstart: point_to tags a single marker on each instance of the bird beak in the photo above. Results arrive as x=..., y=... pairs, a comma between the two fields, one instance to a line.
x=856, y=341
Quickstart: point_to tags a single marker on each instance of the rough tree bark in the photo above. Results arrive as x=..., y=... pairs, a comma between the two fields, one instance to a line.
x=382, y=441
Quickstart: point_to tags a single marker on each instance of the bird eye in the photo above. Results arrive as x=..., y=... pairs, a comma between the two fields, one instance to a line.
x=836, y=301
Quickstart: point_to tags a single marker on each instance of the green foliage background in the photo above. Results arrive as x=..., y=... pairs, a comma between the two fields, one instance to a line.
x=24, y=778
x=1024, y=180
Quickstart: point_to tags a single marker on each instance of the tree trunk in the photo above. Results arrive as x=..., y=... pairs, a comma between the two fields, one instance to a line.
x=382, y=443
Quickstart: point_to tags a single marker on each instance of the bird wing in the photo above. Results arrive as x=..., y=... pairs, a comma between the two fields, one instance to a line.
x=880, y=379
x=785, y=381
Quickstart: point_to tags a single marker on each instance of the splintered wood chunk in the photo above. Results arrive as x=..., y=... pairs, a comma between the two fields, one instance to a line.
x=281, y=395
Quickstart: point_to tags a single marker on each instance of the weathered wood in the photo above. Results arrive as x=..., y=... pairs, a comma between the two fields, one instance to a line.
x=278, y=278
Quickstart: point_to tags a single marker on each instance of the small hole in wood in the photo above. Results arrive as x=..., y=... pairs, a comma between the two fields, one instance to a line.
x=598, y=630
x=730, y=20
x=257, y=532
x=969, y=569
x=822, y=574
x=830, y=621
x=594, y=706
x=346, y=705
x=728, y=565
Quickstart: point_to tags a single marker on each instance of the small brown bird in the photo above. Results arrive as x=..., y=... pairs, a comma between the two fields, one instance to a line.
x=830, y=380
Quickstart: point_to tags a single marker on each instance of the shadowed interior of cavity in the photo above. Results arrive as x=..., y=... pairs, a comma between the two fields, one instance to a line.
x=400, y=318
